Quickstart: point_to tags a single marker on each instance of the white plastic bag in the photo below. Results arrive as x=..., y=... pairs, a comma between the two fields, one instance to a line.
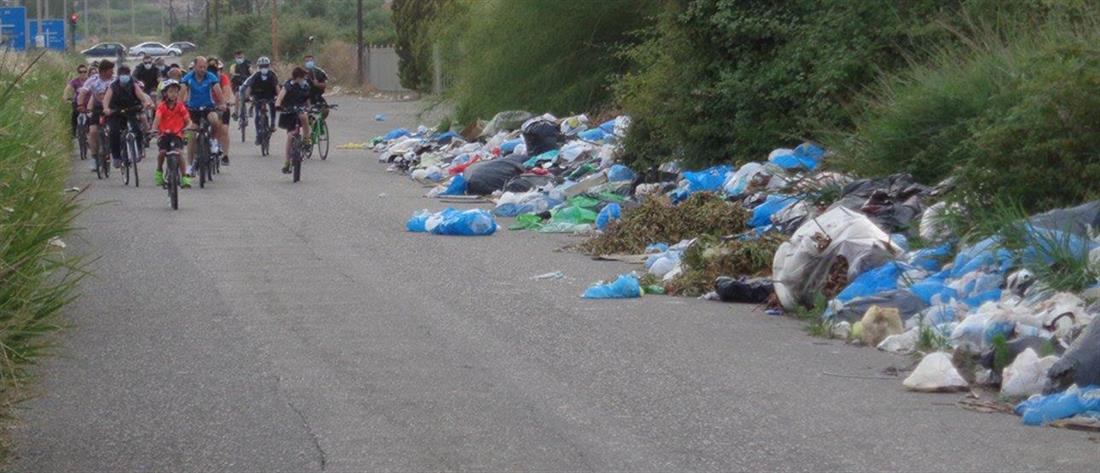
x=935, y=373
x=1027, y=375
x=901, y=344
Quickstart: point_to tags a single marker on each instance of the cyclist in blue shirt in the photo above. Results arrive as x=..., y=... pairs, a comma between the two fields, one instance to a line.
x=201, y=90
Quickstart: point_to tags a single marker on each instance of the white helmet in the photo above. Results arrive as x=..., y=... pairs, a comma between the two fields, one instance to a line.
x=263, y=61
x=166, y=84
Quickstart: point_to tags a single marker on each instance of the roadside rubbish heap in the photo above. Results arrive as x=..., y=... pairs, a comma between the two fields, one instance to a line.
x=809, y=237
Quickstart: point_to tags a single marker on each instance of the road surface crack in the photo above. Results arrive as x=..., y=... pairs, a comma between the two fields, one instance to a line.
x=312, y=435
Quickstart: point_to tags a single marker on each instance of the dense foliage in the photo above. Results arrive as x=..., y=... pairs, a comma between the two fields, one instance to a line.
x=534, y=54
x=412, y=21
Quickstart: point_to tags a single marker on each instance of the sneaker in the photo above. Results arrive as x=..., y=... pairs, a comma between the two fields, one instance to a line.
x=225, y=159
x=190, y=171
x=286, y=168
x=185, y=182
x=158, y=178
x=118, y=163
x=93, y=164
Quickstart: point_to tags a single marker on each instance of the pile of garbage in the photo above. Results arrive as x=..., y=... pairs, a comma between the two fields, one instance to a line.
x=788, y=233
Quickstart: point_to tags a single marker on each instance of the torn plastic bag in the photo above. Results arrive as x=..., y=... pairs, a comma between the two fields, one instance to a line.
x=595, y=134
x=935, y=373
x=625, y=287
x=748, y=291
x=707, y=180
x=1076, y=221
x=395, y=134
x=881, y=279
x=1081, y=363
x=754, y=177
x=573, y=125
x=1039, y=410
x=892, y=202
x=806, y=156
x=575, y=149
x=933, y=227
x=505, y=121
x=487, y=177
x=789, y=219
x=540, y=136
x=418, y=222
x=802, y=264
x=619, y=172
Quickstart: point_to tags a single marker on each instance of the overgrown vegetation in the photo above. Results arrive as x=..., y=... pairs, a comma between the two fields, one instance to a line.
x=557, y=57
x=709, y=258
x=657, y=220
x=1013, y=114
x=36, y=277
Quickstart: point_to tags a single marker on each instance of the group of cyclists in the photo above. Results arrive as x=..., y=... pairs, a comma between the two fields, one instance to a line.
x=176, y=101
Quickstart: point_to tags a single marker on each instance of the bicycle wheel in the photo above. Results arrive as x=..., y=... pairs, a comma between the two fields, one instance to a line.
x=322, y=139
x=173, y=183
x=201, y=156
x=296, y=157
x=82, y=142
x=134, y=156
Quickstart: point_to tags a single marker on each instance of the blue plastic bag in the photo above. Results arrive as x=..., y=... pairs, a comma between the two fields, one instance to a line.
x=381, y=117
x=474, y=222
x=881, y=279
x=707, y=180
x=1041, y=410
x=595, y=134
x=457, y=187
x=609, y=213
x=445, y=137
x=508, y=147
x=988, y=296
x=625, y=287
x=930, y=259
x=608, y=126
x=418, y=222
x=619, y=173
x=395, y=134
x=930, y=288
x=762, y=214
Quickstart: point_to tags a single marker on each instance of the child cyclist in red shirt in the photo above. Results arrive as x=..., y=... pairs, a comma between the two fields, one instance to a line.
x=171, y=119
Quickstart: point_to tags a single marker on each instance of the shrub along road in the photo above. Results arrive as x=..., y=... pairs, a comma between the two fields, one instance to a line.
x=272, y=327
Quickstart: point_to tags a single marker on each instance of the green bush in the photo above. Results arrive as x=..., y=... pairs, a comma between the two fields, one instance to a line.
x=719, y=81
x=540, y=56
x=1015, y=116
x=36, y=278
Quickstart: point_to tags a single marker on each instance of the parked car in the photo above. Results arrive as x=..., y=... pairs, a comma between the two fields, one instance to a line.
x=154, y=48
x=184, y=46
x=105, y=50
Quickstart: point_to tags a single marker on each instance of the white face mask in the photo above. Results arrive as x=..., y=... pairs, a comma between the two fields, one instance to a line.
x=264, y=70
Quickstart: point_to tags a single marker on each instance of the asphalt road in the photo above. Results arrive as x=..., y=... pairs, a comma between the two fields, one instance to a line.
x=269, y=326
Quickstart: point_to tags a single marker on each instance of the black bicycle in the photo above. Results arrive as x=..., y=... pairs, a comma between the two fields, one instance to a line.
x=172, y=172
x=206, y=148
x=263, y=125
x=299, y=147
x=132, y=146
x=103, y=154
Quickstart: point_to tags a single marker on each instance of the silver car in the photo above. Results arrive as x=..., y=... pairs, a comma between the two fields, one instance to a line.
x=154, y=48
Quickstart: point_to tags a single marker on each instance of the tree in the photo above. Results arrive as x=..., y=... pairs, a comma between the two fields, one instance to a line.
x=412, y=19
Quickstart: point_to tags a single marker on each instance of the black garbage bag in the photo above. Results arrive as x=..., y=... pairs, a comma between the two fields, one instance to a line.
x=892, y=202
x=541, y=136
x=749, y=291
x=907, y=304
x=1081, y=363
x=486, y=177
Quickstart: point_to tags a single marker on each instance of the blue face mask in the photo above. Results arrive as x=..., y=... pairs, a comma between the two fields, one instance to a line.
x=311, y=64
x=124, y=79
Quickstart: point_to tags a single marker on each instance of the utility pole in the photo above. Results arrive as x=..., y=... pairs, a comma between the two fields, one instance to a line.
x=107, y=12
x=359, y=42
x=85, y=22
x=275, y=29
x=133, y=29
x=38, y=22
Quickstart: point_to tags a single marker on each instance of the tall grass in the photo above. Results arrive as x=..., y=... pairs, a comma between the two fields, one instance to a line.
x=37, y=278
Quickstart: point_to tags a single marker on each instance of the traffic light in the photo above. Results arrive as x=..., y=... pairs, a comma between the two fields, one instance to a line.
x=73, y=18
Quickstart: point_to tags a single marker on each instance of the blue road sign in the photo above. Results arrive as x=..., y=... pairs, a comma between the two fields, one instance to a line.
x=54, y=30
x=13, y=28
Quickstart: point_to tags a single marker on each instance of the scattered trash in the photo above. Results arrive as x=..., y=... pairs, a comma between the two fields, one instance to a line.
x=57, y=243
x=1040, y=410
x=475, y=222
x=879, y=323
x=381, y=117
x=1027, y=375
x=901, y=344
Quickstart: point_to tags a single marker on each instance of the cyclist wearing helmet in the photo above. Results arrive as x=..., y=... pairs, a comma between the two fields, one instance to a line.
x=262, y=85
x=293, y=96
x=171, y=119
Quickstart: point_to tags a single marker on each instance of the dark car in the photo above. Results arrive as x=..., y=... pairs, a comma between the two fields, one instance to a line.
x=105, y=50
x=183, y=46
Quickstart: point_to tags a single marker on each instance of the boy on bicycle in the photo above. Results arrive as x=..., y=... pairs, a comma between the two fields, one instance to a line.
x=291, y=101
x=171, y=119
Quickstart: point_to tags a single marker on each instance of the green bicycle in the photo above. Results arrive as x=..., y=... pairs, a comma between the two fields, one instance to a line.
x=318, y=132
